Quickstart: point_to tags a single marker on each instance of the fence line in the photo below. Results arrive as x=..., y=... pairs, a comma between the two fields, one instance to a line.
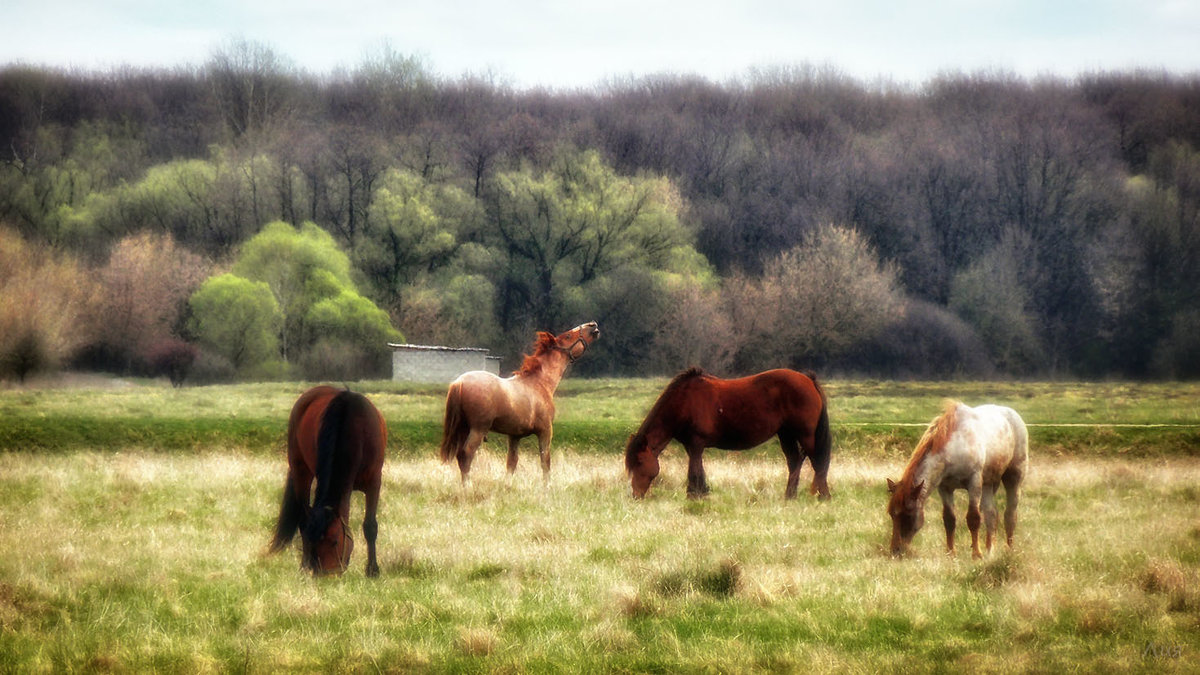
x=1114, y=425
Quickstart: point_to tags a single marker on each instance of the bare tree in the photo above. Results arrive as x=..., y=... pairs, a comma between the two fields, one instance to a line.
x=252, y=84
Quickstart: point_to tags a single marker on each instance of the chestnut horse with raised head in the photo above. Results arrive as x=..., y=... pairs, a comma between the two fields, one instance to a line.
x=701, y=411
x=517, y=406
x=336, y=437
x=964, y=448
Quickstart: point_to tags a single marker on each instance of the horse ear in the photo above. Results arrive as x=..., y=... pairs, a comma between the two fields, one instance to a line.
x=891, y=486
x=916, y=491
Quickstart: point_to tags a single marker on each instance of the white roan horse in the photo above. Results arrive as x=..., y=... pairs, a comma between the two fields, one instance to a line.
x=972, y=449
x=518, y=406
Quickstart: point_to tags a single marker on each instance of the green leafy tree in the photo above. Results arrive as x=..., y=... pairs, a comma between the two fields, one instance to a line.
x=414, y=232
x=348, y=337
x=237, y=319
x=309, y=278
x=572, y=225
x=351, y=317
x=301, y=267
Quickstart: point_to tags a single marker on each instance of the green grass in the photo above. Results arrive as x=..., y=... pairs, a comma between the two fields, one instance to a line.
x=875, y=418
x=147, y=555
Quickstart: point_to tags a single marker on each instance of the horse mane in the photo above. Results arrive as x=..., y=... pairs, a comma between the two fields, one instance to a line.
x=543, y=342
x=328, y=439
x=934, y=439
x=680, y=379
x=694, y=371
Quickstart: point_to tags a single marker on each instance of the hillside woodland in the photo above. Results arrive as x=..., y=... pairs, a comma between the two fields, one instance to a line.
x=246, y=219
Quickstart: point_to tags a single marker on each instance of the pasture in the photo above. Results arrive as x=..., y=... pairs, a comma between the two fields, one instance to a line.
x=134, y=521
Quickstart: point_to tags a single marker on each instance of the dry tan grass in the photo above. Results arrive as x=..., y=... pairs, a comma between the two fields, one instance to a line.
x=510, y=570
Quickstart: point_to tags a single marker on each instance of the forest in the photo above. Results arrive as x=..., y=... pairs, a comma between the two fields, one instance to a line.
x=245, y=219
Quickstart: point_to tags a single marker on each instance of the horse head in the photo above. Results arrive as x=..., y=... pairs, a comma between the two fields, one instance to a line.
x=330, y=554
x=575, y=342
x=907, y=510
x=641, y=463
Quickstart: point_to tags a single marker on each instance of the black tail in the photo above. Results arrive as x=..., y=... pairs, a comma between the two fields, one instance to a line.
x=291, y=512
x=823, y=450
x=824, y=441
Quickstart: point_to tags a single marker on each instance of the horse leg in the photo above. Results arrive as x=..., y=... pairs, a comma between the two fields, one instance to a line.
x=544, y=437
x=513, y=442
x=988, y=504
x=791, y=452
x=1012, y=496
x=974, y=518
x=370, y=528
x=949, y=520
x=697, y=482
x=466, y=454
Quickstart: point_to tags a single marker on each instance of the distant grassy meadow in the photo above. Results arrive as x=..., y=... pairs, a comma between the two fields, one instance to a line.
x=133, y=522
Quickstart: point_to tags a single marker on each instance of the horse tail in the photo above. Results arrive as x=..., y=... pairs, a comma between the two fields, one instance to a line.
x=823, y=441
x=291, y=512
x=454, y=426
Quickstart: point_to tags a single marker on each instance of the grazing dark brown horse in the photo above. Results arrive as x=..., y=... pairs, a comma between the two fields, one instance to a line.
x=701, y=411
x=964, y=448
x=337, y=437
x=517, y=406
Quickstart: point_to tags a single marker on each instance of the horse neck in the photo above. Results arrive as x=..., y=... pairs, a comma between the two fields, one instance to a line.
x=927, y=468
x=655, y=433
x=553, y=367
x=661, y=422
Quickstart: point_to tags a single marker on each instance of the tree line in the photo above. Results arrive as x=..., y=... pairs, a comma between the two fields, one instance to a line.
x=976, y=225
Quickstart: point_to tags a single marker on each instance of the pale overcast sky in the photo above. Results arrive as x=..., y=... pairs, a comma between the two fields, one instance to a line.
x=566, y=44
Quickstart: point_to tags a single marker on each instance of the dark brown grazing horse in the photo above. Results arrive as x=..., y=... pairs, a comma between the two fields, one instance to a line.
x=701, y=411
x=518, y=406
x=337, y=437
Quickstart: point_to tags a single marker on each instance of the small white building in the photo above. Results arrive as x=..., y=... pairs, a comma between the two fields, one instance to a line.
x=427, y=363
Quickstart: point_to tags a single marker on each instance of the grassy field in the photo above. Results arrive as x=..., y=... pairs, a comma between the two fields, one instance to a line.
x=133, y=521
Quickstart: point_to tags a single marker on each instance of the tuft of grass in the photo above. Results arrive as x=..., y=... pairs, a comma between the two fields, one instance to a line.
x=1170, y=579
x=997, y=571
x=477, y=641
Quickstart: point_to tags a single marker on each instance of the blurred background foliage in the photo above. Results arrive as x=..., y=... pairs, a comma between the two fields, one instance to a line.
x=250, y=220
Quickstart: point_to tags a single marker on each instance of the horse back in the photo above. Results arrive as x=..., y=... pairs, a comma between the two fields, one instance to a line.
x=304, y=424
x=506, y=405
x=360, y=424
x=1002, y=440
x=745, y=412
